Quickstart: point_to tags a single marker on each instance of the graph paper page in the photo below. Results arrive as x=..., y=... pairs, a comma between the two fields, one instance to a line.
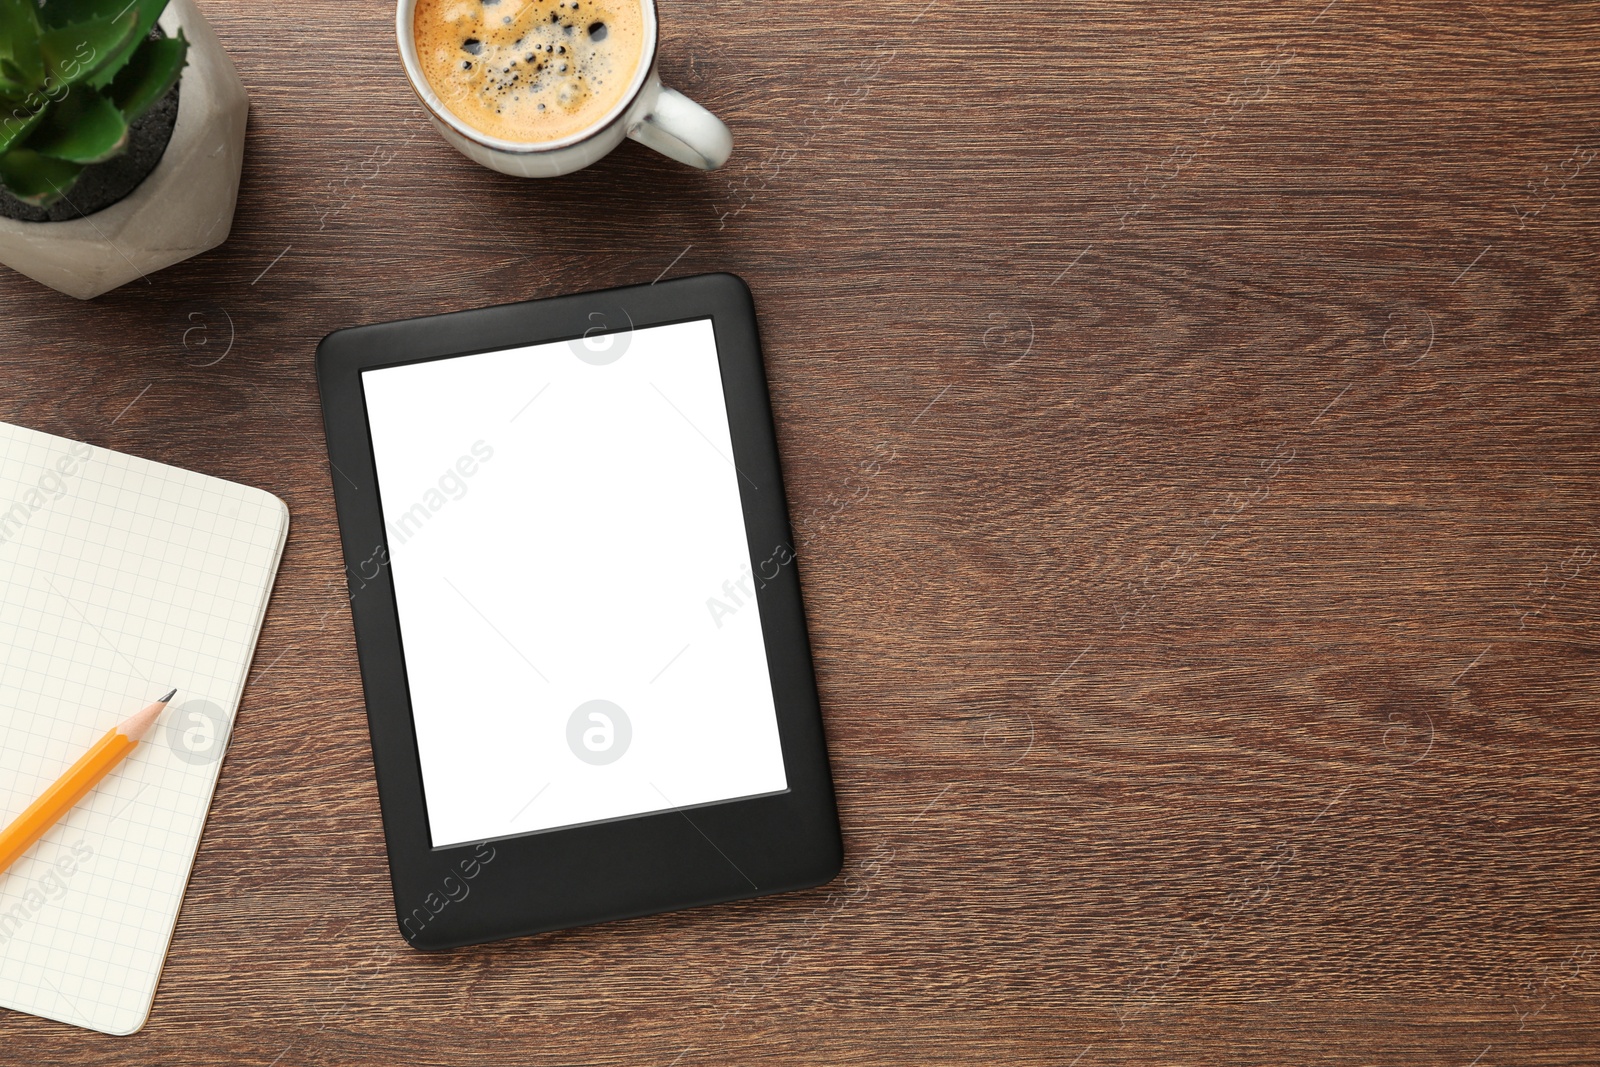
x=119, y=579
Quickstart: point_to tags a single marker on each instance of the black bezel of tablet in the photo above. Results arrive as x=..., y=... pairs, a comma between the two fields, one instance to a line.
x=449, y=897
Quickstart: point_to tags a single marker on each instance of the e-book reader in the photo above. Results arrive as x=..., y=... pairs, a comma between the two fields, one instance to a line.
x=577, y=609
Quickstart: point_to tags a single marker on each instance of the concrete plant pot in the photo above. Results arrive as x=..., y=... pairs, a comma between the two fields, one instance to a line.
x=182, y=207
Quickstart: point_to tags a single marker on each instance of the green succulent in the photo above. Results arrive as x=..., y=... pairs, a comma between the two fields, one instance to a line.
x=73, y=75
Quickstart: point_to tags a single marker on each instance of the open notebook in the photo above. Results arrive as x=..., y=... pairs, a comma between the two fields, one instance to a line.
x=119, y=579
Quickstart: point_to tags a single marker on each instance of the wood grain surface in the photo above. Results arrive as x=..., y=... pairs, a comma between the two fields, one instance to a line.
x=1190, y=418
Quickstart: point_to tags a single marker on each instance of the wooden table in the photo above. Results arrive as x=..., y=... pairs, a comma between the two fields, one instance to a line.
x=1189, y=414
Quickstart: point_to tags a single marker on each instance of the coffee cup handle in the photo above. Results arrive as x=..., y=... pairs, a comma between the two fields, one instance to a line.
x=681, y=129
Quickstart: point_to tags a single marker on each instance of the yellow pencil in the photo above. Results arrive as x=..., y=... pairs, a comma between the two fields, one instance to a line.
x=73, y=786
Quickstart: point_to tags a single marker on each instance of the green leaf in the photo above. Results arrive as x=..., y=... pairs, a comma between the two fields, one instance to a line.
x=73, y=53
x=65, y=12
x=149, y=75
x=13, y=73
x=19, y=40
x=54, y=13
x=15, y=125
x=19, y=20
x=84, y=128
x=146, y=11
x=35, y=179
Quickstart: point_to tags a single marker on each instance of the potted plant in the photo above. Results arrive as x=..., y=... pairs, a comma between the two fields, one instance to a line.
x=121, y=139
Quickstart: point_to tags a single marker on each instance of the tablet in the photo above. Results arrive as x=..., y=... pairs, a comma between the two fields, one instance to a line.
x=577, y=610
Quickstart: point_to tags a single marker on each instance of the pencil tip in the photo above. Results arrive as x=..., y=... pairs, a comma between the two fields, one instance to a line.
x=168, y=697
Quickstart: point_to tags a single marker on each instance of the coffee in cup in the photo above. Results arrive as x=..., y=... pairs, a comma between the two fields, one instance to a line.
x=529, y=71
x=540, y=88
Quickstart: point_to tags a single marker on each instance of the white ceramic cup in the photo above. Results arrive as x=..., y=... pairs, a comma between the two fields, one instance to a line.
x=655, y=116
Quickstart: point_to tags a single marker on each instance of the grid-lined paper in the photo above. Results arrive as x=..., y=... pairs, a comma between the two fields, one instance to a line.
x=119, y=579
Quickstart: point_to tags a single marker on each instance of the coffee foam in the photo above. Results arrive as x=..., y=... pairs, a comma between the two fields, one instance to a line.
x=529, y=71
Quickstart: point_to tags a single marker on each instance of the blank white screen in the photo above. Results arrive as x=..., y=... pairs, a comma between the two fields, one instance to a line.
x=564, y=529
